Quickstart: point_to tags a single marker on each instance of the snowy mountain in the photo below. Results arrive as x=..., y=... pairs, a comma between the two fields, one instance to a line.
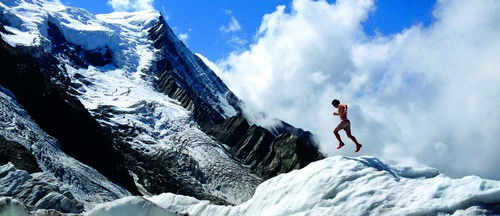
x=122, y=95
x=112, y=114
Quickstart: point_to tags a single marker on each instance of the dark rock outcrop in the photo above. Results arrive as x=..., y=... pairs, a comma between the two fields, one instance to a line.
x=284, y=127
x=61, y=115
x=17, y=154
x=231, y=131
x=184, y=76
x=290, y=152
x=266, y=154
x=168, y=85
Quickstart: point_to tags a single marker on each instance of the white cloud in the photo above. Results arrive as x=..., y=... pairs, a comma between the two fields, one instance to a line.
x=164, y=12
x=232, y=32
x=425, y=96
x=184, y=36
x=131, y=5
x=237, y=41
x=232, y=26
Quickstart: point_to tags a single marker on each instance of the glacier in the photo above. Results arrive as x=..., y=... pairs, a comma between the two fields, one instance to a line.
x=154, y=100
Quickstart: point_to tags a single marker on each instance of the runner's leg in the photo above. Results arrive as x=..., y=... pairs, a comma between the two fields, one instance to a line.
x=348, y=132
x=336, y=132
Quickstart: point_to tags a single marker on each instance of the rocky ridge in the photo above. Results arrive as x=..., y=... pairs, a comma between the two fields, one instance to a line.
x=265, y=154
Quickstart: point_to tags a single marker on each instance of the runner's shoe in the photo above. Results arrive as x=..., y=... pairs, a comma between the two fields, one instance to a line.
x=358, y=147
x=340, y=145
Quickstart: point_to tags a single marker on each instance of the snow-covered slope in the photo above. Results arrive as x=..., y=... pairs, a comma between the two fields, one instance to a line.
x=344, y=186
x=85, y=183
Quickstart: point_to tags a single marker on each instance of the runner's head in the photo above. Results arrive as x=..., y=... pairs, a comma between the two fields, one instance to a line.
x=335, y=103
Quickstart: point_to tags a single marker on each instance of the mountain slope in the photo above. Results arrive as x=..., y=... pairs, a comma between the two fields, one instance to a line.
x=85, y=183
x=214, y=101
x=122, y=94
x=49, y=104
x=138, y=122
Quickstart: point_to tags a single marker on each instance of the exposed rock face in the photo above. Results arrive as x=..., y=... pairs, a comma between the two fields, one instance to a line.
x=290, y=152
x=169, y=86
x=11, y=151
x=258, y=148
x=231, y=131
x=284, y=127
x=185, y=77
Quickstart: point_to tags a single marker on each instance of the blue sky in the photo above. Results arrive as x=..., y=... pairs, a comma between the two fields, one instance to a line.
x=201, y=22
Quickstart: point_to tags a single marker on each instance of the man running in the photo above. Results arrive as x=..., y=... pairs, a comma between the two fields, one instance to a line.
x=344, y=124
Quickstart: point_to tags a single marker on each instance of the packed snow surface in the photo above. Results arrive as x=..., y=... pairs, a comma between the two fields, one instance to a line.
x=342, y=186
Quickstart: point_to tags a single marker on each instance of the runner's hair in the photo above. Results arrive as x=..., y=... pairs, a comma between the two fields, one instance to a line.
x=335, y=102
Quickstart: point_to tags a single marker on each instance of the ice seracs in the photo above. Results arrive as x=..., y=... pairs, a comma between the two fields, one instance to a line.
x=37, y=190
